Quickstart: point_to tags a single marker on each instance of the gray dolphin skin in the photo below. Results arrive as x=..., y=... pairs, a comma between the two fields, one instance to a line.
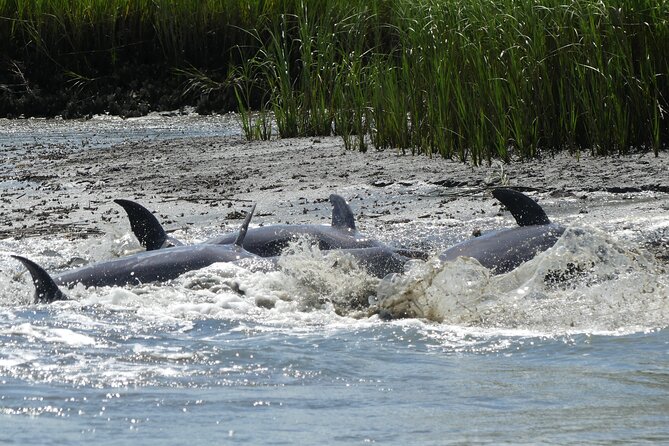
x=269, y=241
x=144, y=267
x=504, y=250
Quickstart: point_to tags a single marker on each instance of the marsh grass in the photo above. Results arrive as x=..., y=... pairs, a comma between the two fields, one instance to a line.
x=475, y=80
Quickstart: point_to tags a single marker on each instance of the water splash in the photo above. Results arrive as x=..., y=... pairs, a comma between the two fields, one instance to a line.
x=314, y=279
x=587, y=282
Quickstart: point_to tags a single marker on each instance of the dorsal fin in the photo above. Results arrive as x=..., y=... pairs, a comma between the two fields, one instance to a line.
x=342, y=215
x=525, y=210
x=144, y=225
x=46, y=290
x=244, y=227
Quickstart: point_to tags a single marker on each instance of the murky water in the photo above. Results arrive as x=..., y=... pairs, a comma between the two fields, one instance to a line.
x=570, y=348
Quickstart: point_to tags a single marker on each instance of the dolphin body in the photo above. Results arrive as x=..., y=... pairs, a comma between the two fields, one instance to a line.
x=500, y=251
x=143, y=267
x=504, y=250
x=378, y=261
x=166, y=264
x=269, y=241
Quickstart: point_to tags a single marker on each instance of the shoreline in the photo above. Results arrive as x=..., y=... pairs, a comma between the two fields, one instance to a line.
x=195, y=182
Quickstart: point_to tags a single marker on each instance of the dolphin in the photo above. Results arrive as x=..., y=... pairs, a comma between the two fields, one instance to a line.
x=150, y=266
x=504, y=250
x=378, y=261
x=269, y=241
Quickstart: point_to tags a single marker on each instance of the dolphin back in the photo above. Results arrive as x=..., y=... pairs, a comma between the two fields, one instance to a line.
x=525, y=210
x=504, y=250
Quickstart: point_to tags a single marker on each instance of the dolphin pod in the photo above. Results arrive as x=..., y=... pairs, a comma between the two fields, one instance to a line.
x=267, y=241
x=500, y=251
x=150, y=266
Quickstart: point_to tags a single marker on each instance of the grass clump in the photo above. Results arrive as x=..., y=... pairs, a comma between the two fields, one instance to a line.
x=475, y=80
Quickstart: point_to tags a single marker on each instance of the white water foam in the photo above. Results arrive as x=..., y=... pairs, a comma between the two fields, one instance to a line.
x=53, y=335
x=588, y=281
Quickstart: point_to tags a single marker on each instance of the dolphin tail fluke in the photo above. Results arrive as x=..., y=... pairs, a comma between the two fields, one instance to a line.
x=525, y=210
x=244, y=227
x=46, y=290
x=144, y=225
x=342, y=215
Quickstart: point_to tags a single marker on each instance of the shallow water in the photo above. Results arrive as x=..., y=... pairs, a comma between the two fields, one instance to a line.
x=570, y=348
x=104, y=130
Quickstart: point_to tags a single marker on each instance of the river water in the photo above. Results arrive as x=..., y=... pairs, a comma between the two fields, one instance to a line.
x=104, y=130
x=570, y=348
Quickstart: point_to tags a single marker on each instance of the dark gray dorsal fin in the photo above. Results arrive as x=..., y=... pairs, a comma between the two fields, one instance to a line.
x=144, y=225
x=342, y=215
x=525, y=210
x=244, y=227
x=46, y=290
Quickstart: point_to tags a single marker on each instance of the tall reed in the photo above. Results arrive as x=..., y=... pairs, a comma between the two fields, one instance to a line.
x=474, y=80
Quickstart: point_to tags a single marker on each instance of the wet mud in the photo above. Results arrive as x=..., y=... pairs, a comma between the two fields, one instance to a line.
x=208, y=182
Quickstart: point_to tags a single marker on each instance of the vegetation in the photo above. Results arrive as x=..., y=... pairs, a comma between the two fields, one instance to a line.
x=476, y=79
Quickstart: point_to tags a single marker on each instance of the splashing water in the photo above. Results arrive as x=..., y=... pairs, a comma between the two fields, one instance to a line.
x=587, y=282
x=293, y=350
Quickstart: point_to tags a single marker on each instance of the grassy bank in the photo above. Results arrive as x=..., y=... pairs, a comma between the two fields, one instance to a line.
x=475, y=79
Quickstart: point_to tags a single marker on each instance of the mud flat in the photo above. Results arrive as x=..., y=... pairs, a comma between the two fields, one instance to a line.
x=207, y=182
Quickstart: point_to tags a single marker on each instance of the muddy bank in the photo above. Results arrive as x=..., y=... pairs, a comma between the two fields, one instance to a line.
x=207, y=182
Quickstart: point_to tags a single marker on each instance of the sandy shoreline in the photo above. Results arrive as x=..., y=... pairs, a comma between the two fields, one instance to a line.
x=209, y=181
